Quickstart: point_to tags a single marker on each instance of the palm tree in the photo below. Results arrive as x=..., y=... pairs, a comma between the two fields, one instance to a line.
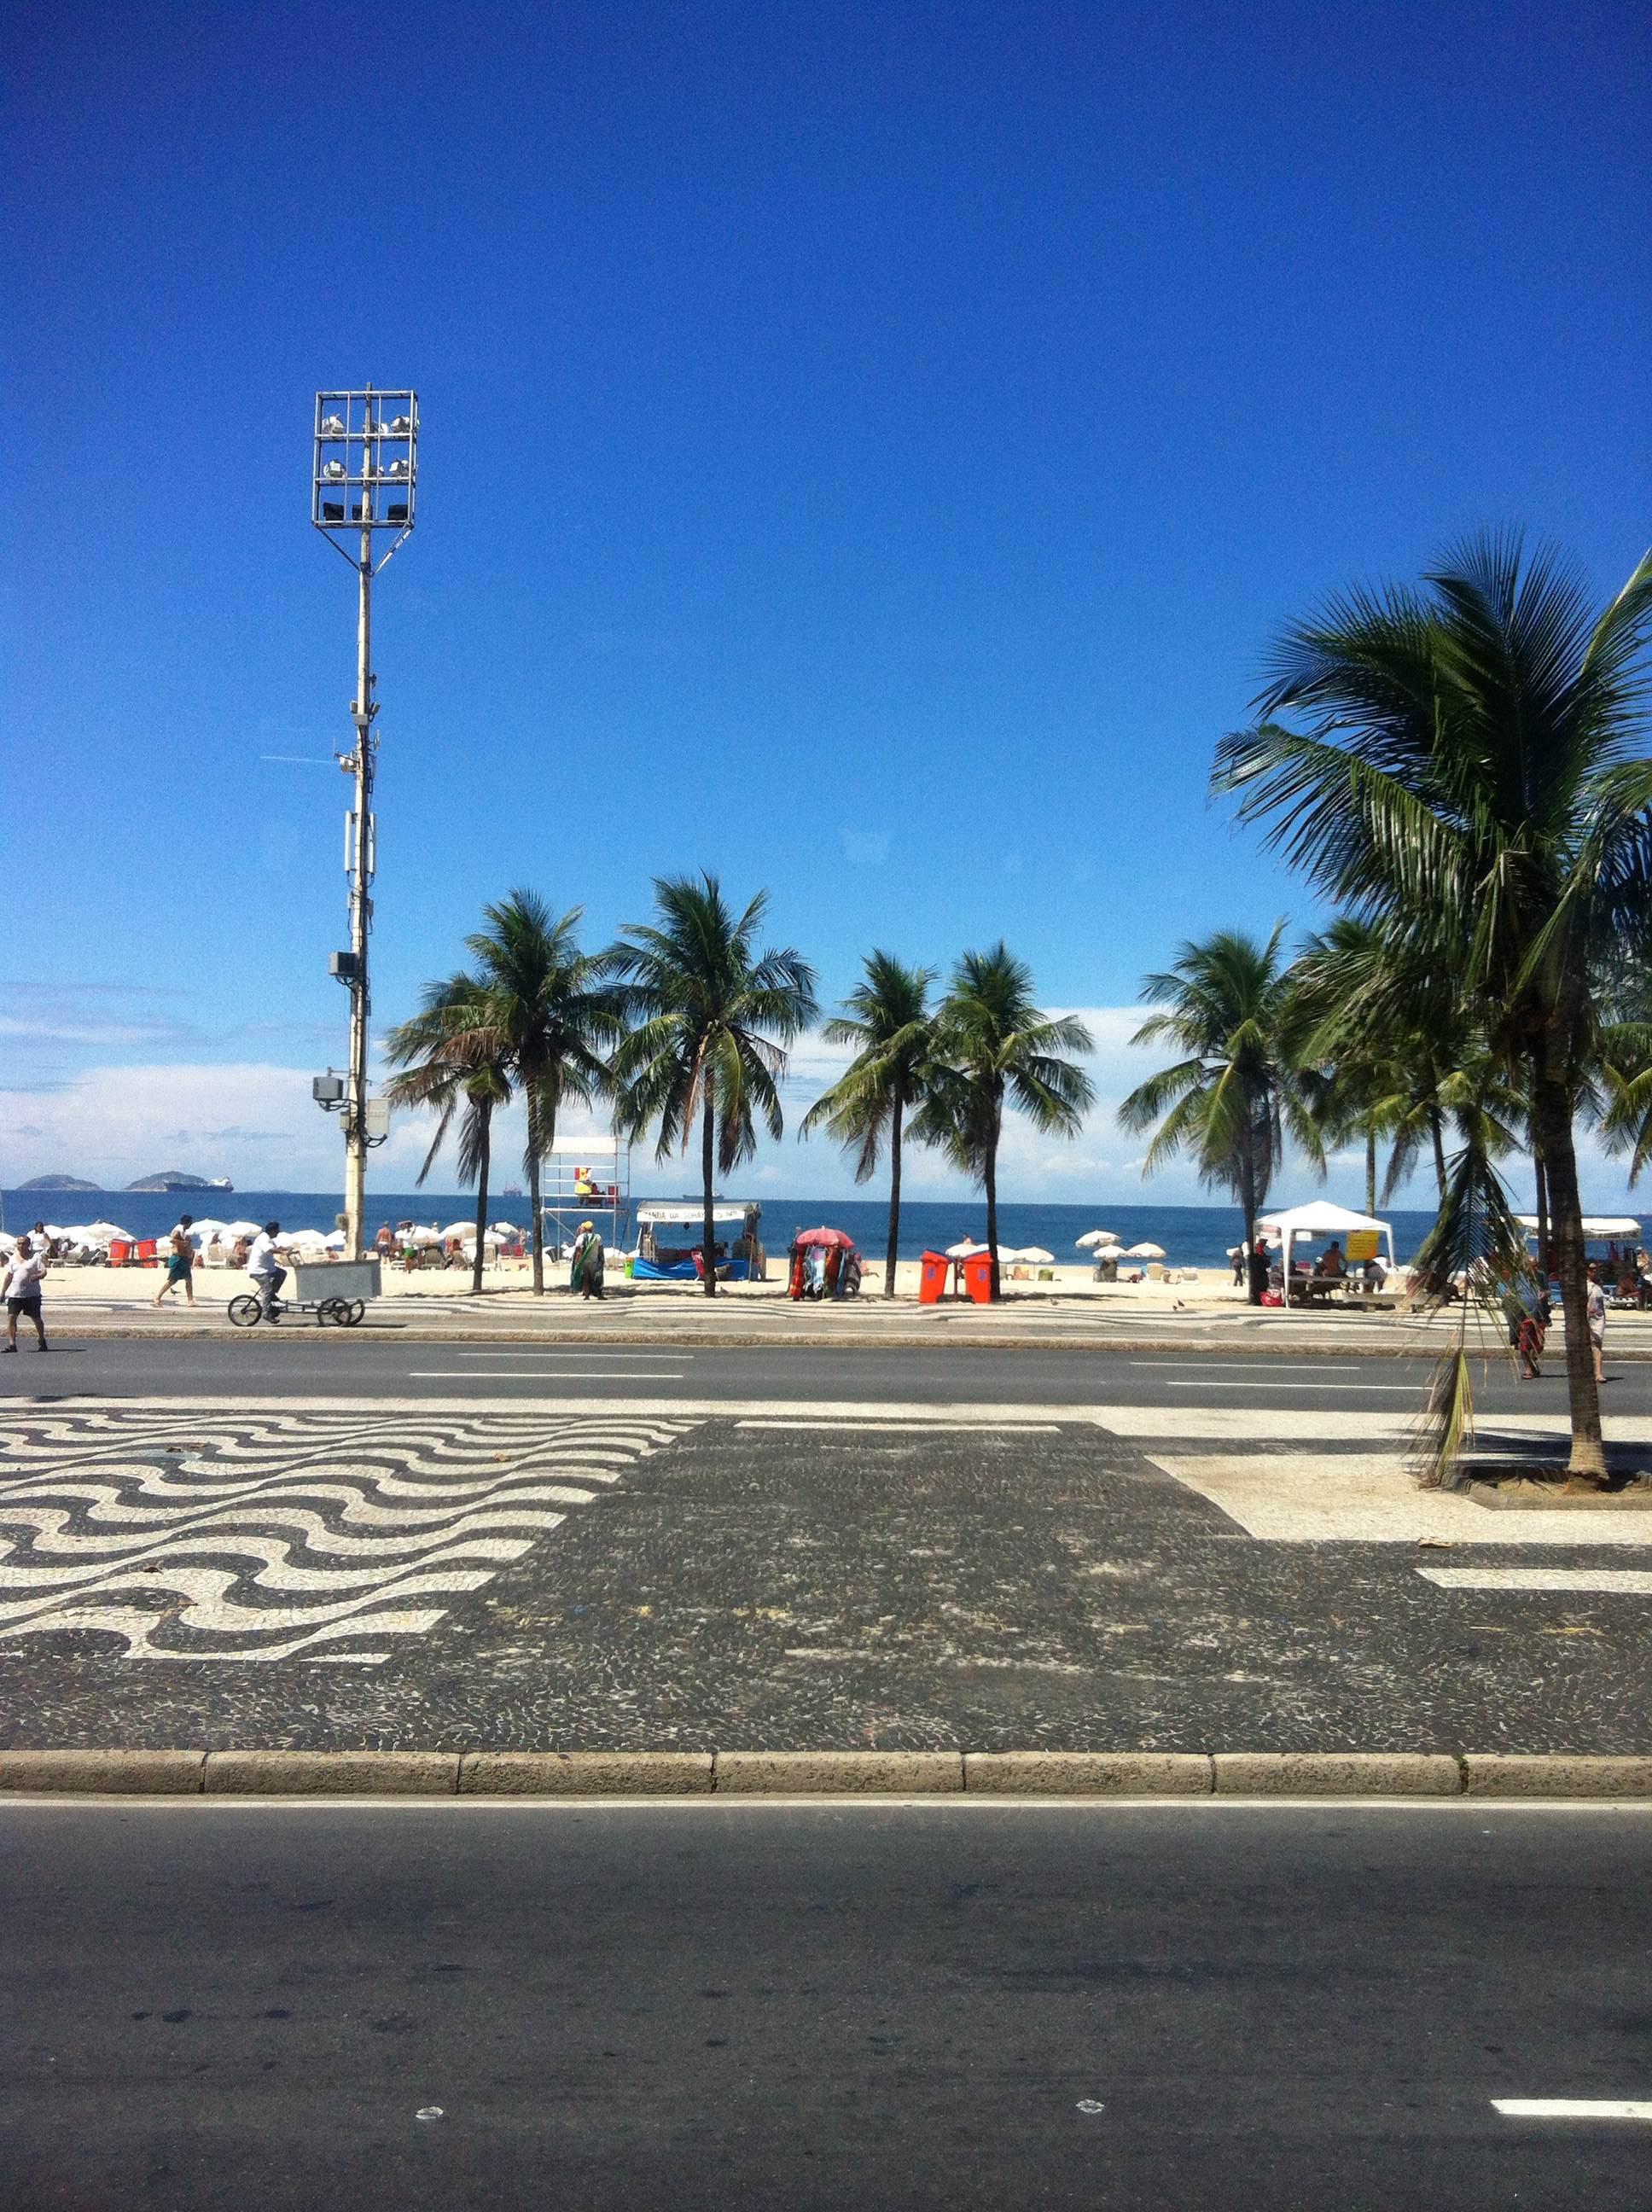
x=1472, y=772
x=1240, y=1082
x=552, y=1018
x=994, y=1049
x=450, y=1054
x=887, y=1017
x=711, y=1019
x=1403, y=1053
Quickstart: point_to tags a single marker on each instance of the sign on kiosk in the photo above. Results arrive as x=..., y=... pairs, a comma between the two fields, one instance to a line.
x=1361, y=1245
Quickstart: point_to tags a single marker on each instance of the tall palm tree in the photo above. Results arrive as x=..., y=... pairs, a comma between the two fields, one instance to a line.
x=887, y=1018
x=553, y=1018
x=1403, y=1052
x=711, y=1019
x=1471, y=770
x=995, y=1050
x=1240, y=1082
x=450, y=1053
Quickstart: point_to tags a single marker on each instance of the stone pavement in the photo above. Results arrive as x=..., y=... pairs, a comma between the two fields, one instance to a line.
x=334, y=1575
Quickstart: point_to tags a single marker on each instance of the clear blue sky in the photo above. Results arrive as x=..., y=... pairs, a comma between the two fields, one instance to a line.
x=865, y=452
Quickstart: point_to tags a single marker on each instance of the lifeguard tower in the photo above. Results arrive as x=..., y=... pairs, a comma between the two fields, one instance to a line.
x=586, y=1179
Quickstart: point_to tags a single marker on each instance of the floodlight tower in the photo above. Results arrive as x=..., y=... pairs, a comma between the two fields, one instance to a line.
x=364, y=480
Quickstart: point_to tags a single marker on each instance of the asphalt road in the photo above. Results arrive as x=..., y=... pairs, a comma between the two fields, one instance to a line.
x=396, y=2007
x=336, y=1366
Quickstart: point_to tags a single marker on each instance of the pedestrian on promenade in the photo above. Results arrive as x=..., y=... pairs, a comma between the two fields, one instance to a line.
x=1595, y=1307
x=1258, y=1270
x=40, y=1240
x=181, y=1262
x=586, y=1273
x=266, y=1270
x=385, y=1241
x=24, y=1277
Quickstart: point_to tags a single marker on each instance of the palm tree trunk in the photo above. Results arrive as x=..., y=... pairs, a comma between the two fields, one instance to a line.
x=1540, y=1175
x=707, y=1164
x=990, y=1178
x=538, y=1225
x=1438, y=1135
x=894, y=1200
x=1370, y=1167
x=1249, y=1203
x=1551, y=1110
x=485, y=1116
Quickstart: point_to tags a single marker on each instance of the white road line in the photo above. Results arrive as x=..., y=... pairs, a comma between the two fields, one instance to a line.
x=579, y=1354
x=859, y=1424
x=1227, y=1382
x=1573, y=2108
x=1626, y=1581
x=1248, y=1366
x=540, y=1375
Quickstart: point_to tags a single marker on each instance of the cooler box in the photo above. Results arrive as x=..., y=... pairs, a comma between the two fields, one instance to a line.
x=978, y=1278
x=931, y=1282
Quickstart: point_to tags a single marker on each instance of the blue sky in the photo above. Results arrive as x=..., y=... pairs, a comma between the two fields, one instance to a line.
x=865, y=451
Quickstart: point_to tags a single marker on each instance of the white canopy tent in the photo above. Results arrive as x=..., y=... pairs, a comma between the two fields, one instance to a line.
x=1594, y=1225
x=1319, y=1218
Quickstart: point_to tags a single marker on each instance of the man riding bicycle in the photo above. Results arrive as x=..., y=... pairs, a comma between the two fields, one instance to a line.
x=266, y=1270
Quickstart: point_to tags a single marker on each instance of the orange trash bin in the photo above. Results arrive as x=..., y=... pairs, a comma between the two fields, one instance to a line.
x=978, y=1278
x=931, y=1281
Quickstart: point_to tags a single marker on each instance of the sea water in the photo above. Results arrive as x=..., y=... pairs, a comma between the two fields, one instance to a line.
x=1192, y=1235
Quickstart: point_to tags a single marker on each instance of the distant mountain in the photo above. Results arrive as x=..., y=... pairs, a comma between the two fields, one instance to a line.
x=57, y=1183
x=172, y=1179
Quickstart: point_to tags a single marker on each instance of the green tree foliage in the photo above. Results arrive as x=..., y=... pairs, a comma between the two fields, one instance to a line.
x=710, y=1018
x=452, y=1059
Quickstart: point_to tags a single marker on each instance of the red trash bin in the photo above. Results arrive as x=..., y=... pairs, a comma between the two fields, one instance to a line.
x=978, y=1278
x=931, y=1282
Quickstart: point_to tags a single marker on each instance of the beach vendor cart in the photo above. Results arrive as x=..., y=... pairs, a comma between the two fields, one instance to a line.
x=336, y=1291
x=823, y=1263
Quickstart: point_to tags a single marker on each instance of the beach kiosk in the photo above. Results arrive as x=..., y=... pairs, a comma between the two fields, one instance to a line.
x=669, y=1233
x=1320, y=1218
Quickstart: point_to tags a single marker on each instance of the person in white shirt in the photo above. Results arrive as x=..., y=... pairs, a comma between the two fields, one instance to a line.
x=265, y=1268
x=23, y=1278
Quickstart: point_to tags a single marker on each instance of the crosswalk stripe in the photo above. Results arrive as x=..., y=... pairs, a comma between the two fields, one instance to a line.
x=1626, y=1581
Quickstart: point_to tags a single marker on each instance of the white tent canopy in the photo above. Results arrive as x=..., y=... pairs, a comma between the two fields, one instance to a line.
x=1319, y=1218
x=1594, y=1225
x=689, y=1212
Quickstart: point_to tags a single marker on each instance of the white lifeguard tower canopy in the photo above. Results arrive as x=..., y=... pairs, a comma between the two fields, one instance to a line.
x=1319, y=1218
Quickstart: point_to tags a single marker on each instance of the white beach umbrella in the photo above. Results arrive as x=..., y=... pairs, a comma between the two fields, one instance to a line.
x=205, y=1232
x=336, y=1241
x=232, y=1230
x=101, y=1232
x=423, y=1236
x=503, y=1229
x=1092, y=1236
x=1036, y=1256
x=460, y=1229
x=303, y=1240
x=963, y=1251
x=1146, y=1252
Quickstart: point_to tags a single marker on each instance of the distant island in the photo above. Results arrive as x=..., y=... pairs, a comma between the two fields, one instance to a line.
x=174, y=1179
x=57, y=1183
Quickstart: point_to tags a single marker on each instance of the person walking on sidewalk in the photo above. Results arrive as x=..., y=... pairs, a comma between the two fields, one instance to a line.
x=586, y=1273
x=23, y=1279
x=1595, y=1307
x=181, y=1262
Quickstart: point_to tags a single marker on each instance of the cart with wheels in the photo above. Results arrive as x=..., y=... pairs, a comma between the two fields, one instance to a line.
x=335, y=1291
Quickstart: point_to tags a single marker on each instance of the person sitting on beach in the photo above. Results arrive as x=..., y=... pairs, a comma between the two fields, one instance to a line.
x=1333, y=1268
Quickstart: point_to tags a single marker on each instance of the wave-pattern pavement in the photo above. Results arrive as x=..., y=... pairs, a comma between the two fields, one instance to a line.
x=261, y=1535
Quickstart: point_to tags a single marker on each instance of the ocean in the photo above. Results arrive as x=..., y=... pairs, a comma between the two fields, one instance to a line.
x=1193, y=1235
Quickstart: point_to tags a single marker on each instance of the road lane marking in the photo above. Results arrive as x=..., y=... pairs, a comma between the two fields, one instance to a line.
x=1227, y=1382
x=1573, y=2108
x=578, y=1352
x=1625, y=1581
x=861, y=1424
x=1248, y=1366
x=541, y=1375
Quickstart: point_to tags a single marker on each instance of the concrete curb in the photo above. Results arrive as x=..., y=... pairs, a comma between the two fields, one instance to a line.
x=597, y=1775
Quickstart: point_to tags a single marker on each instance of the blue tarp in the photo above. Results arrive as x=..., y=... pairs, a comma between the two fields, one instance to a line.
x=648, y=1270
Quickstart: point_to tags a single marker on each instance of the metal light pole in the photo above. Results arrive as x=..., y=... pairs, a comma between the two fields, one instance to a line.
x=363, y=480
